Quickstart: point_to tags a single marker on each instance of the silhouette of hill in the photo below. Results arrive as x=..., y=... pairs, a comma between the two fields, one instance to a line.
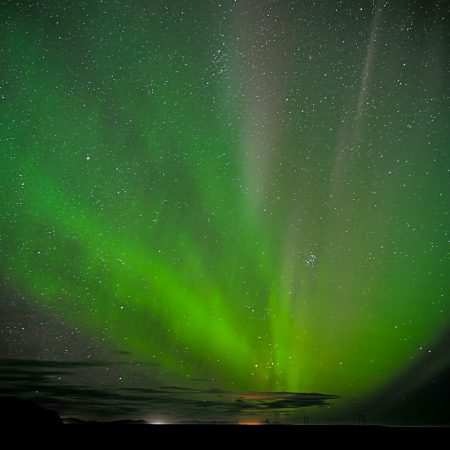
x=75, y=421
x=16, y=412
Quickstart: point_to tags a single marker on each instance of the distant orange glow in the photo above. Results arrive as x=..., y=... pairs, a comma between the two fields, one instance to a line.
x=254, y=395
x=257, y=396
x=250, y=423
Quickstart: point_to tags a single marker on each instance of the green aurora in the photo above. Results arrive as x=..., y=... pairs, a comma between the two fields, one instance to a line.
x=255, y=193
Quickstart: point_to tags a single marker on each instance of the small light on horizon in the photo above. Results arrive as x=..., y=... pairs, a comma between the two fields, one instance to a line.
x=157, y=422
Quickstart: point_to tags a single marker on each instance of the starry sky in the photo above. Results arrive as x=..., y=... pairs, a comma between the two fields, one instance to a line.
x=243, y=200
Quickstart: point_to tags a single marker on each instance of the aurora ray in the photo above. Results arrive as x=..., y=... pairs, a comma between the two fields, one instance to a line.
x=222, y=189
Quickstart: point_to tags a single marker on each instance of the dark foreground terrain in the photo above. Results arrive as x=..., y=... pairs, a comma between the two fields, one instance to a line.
x=25, y=420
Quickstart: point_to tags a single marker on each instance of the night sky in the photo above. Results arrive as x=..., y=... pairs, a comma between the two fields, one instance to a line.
x=226, y=209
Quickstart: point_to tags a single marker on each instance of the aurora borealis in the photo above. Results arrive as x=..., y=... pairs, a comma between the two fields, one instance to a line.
x=249, y=193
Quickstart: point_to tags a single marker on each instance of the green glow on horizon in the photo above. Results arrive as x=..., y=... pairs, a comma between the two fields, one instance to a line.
x=155, y=195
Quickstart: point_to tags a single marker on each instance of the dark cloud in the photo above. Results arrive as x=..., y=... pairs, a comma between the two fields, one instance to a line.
x=33, y=363
x=40, y=381
x=123, y=352
x=178, y=388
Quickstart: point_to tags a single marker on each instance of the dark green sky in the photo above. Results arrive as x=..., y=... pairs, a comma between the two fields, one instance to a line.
x=253, y=194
